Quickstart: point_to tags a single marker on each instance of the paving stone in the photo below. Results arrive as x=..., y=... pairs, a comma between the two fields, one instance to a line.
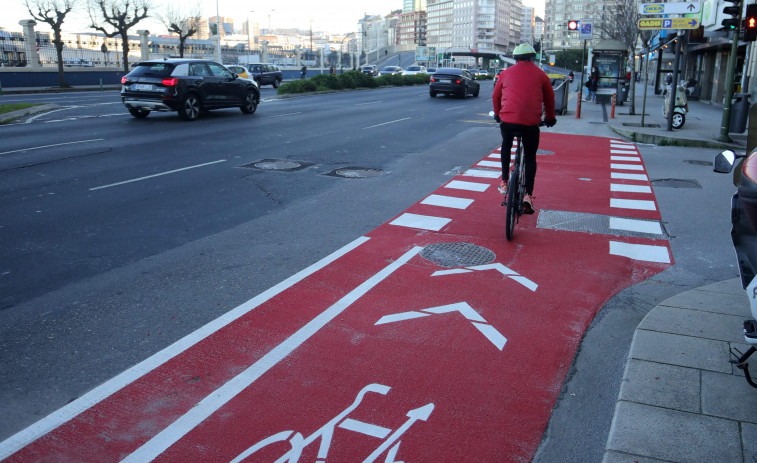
x=617, y=457
x=749, y=441
x=732, y=286
x=672, y=435
x=697, y=323
x=685, y=351
x=728, y=396
x=732, y=304
x=661, y=385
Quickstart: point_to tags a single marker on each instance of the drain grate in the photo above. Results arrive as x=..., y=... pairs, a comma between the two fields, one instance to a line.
x=598, y=224
x=356, y=172
x=277, y=164
x=457, y=254
x=676, y=183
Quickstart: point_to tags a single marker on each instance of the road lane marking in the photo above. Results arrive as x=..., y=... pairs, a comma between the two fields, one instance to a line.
x=447, y=201
x=51, y=146
x=282, y=115
x=640, y=252
x=218, y=398
x=624, y=176
x=386, y=123
x=488, y=173
x=455, y=107
x=370, y=102
x=623, y=151
x=489, y=164
x=625, y=158
x=638, y=204
x=633, y=225
x=469, y=186
x=156, y=175
x=627, y=166
x=21, y=439
x=423, y=222
x=630, y=188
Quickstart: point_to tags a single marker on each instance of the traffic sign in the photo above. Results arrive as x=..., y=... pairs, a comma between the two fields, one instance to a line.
x=670, y=8
x=669, y=23
x=586, y=29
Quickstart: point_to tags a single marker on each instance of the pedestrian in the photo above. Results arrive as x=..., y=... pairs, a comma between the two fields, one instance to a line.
x=303, y=71
x=593, y=83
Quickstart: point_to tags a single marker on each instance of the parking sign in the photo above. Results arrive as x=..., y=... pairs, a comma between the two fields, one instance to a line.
x=586, y=29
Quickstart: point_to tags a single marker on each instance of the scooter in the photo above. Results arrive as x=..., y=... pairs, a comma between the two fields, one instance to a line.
x=744, y=237
x=680, y=108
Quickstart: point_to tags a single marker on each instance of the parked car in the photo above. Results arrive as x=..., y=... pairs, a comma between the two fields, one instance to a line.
x=453, y=81
x=390, y=70
x=187, y=86
x=241, y=71
x=413, y=70
x=430, y=71
x=369, y=69
x=496, y=76
x=265, y=74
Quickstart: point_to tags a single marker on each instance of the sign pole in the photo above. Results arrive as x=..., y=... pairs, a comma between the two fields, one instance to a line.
x=581, y=83
x=672, y=93
x=726, y=121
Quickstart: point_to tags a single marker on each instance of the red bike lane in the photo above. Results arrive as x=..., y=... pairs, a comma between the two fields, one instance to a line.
x=430, y=339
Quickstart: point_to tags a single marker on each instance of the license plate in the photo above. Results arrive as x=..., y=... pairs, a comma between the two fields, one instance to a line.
x=446, y=81
x=143, y=87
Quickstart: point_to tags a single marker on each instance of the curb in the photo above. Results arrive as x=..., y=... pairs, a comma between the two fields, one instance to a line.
x=662, y=140
x=28, y=90
x=13, y=115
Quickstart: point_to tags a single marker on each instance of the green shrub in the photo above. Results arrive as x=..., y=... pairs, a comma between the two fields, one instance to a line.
x=349, y=79
x=296, y=86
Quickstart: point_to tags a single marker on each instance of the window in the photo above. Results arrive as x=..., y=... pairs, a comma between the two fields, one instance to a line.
x=198, y=69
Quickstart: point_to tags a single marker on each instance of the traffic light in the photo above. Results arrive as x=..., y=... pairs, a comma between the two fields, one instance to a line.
x=734, y=12
x=750, y=23
x=573, y=25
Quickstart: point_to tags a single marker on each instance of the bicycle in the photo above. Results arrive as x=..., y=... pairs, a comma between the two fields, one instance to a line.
x=516, y=187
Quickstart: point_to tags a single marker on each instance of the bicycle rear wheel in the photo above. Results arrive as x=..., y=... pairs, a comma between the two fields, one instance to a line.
x=513, y=200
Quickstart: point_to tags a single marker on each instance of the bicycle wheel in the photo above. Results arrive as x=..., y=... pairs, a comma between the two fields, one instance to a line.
x=513, y=200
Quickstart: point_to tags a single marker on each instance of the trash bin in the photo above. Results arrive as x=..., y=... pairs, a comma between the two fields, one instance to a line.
x=562, y=92
x=622, y=94
x=739, y=113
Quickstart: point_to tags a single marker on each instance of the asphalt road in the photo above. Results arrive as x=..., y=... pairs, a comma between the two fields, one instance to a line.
x=96, y=274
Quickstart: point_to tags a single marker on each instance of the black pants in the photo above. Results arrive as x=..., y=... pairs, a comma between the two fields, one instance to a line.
x=530, y=137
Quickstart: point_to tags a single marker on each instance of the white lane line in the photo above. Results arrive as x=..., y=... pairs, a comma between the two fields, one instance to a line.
x=21, y=439
x=454, y=107
x=495, y=156
x=156, y=175
x=447, y=201
x=638, y=204
x=630, y=188
x=624, y=152
x=624, y=176
x=221, y=396
x=469, y=186
x=625, y=158
x=633, y=225
x=370, y=102
x=51, y=146
x=627, y=166
x=481, y=173
x=282, y=115
x=643, y=252
x=423, y=222
x=489, y=164
x=386, y=123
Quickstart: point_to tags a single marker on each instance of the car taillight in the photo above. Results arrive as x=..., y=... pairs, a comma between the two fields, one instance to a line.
x=123, y=79
x=433, y=80
x=458, y=81
x=172, y=82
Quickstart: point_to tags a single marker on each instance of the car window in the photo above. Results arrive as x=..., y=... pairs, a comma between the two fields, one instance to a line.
x=180, y=70
x=274, y=68
x=255, y=67
x=219, y=71
x=152, y=69
x=198, y=69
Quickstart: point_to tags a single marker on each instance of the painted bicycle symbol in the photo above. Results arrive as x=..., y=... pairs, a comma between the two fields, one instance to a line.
x=390, y=445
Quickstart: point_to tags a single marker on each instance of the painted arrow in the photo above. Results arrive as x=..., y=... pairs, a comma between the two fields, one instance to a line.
x=496, y=266
x=465, y=310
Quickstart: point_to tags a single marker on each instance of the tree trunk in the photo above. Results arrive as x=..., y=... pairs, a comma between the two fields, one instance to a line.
x=125, y=49
x=181, y=45
x=632, y=90
x=59, y=51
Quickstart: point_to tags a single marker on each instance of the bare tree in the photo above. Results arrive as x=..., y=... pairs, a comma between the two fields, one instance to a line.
x=181, y=20
x=119, y=16
x=53, y=12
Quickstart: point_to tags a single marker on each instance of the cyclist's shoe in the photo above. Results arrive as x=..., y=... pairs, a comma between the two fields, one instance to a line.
x=502, y=187
x=528, y=204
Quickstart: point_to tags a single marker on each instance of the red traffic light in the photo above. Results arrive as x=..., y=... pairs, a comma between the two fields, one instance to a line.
x=572, y=25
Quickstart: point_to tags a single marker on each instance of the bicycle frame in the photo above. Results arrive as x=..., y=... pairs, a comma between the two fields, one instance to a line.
x=516, y=189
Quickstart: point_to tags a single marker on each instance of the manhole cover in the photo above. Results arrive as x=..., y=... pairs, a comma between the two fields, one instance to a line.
x=698, y=163
x=676, y=183
x=277, y=164
x=356, y=172
x=457, y=254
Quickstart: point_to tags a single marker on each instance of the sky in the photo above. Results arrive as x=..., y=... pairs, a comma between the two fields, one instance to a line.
x=333, y=16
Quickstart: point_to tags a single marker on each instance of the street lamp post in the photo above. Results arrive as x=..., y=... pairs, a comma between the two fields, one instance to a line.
x=218, y=31
x=341, y=64
x=249, y=42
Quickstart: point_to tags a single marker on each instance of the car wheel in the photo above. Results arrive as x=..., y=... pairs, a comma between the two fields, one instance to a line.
x=475, y=92
x=190, y=107
x=432, y=93
x=139, y=113
x=276, y=83
x=250, y=103
x=464, y=95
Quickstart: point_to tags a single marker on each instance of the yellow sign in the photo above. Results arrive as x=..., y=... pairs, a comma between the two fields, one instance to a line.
x=669, y=23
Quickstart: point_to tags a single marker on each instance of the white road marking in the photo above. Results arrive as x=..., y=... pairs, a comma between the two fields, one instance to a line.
x=156, y=175
x=369, y=102
x=633, y=225
x=619, y=151
x=643, y=252
x=624, y=176
x=630, y=188
x=489, y=164
x=638, y=204
x=19, y=440
x=386, y=123
x=625, y=158
x=470, y=186
x=481, y=173
x=627, y=166
x=454, y=107
x=282, y=115
x=424, y=222
x=495, y=156
x=368, y=429
x=218, y=398
x=447, y=201
x=51, y=146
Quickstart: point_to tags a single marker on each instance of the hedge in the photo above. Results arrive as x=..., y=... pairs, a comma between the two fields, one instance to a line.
x=347, y=80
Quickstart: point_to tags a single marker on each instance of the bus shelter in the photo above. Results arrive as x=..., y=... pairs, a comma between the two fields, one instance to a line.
x=609, y=57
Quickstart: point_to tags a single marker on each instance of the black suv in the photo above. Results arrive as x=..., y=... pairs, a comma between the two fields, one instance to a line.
x=265, y=74
x=187, y=86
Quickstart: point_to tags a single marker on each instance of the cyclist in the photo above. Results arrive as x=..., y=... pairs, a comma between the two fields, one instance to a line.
x=522, y=93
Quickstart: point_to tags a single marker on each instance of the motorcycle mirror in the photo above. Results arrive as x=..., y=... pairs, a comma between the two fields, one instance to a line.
x=491, y=113
x=723, y=162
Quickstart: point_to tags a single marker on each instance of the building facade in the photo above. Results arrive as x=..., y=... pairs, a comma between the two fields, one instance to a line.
x=411, y=28
x=527, y=23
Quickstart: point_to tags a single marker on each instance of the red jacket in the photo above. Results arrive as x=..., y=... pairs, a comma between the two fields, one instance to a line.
x=522, y=93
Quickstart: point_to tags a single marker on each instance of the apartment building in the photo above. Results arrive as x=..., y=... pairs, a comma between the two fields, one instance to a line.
x=439, y=24
x=559, y=12
x=413, y=5
x=474, y=24
x=411, y=28
x=527, y=23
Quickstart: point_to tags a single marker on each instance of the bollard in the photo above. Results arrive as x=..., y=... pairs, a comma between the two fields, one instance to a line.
x=1, y=87
x=101, y=84
x=612, y=113
x=578, y=105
